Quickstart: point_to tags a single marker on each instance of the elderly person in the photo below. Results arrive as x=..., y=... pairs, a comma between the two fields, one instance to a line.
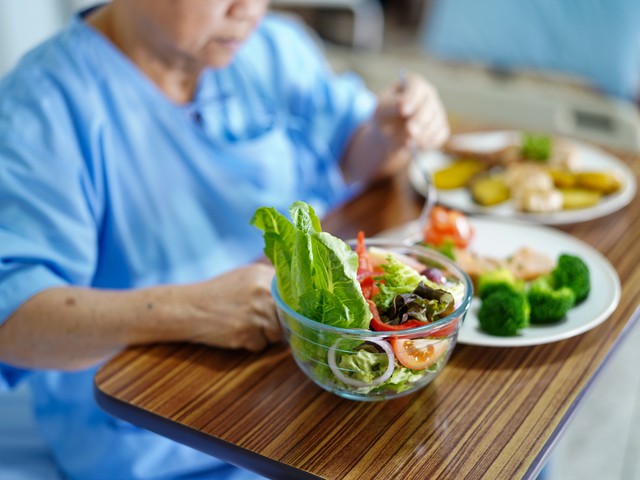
x=135, y=146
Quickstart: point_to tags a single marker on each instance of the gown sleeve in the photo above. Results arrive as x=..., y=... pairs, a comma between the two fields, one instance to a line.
x=48, y=228
x=325, y=107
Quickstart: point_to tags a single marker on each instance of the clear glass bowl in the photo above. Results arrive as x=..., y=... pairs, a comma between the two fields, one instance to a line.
x=396, y=362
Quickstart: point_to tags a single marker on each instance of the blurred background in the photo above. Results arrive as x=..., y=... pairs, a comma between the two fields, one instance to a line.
x=560, y=67
x=25, y=23
x=570, y=68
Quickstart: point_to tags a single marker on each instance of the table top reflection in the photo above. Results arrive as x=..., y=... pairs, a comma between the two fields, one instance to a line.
x=491, y=413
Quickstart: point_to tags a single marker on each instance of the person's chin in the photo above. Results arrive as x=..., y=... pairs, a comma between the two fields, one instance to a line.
x=221, y=61
x=222, y=57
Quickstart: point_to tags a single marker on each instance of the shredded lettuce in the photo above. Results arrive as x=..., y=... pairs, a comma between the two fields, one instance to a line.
x=398, y=278
x=364, y=365
x=403, y=378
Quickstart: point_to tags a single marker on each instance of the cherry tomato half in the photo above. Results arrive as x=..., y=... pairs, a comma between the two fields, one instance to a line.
x=447, y=225
x=419, y=353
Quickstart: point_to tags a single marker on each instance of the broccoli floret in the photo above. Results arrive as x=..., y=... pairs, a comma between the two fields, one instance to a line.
x=536, y=147
x=572, y=272
x=549, y=304
x=498, y=279
x=504, y=312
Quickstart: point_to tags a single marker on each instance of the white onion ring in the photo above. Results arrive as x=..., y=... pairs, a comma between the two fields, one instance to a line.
x=359, y=383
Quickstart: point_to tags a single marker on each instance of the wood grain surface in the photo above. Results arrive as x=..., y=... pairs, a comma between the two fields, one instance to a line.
x=492, y=413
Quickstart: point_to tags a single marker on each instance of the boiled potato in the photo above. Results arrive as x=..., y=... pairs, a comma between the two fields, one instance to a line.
x=488, y=190
x=603, y=182
x=574, y=198
x=458, y=174
x=562, y=178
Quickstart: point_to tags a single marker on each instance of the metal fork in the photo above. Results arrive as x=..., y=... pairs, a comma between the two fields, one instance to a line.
x=431, y=192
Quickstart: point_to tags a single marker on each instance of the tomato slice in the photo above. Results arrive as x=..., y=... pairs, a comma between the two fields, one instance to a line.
x=378, y=325
x=366, y=270
x=364, y=262
x=445, y=224
x=419, y=353
x=367, y=286
x=440, y=218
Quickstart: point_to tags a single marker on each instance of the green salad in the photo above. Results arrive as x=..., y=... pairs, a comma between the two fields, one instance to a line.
x=362, y=290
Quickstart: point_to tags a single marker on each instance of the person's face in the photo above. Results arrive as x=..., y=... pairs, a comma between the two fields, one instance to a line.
x=201, y=33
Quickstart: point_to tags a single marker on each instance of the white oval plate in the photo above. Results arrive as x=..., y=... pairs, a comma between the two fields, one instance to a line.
x=591, y=158
x=498, y=239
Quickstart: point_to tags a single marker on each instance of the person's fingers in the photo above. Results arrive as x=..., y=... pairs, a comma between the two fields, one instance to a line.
x=431, y=132
x=429, y=127
x=388, y=109
x=266, y=324
x=413, y=115
x=256, y=342
x=401, y=100
x=272, y=330
x=416, y=94
x=424, y=119
x=440, y=136
x=273, y=334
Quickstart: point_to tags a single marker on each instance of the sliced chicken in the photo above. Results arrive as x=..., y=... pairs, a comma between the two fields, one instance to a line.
x=474, y=265
x=525, y=263
x=528, y=264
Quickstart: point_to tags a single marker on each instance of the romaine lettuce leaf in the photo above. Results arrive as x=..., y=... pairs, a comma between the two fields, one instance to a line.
x=304, y=218
x=316, y=272
x=279, y=241
x=336, y=272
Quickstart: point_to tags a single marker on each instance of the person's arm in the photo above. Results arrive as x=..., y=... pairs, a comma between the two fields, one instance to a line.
x=407, y=116
x=71, y=328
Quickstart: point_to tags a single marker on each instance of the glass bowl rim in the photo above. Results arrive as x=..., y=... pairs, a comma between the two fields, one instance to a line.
x=450, y=264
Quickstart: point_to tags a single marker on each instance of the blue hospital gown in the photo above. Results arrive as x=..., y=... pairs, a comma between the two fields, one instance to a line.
x=106, y=183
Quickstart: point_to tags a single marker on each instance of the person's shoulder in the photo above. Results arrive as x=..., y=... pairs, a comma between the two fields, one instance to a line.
x=285, y=42
x=43, y=97
x=47, y=81
x=51, y=66
x=287, y=30
x=282, y=24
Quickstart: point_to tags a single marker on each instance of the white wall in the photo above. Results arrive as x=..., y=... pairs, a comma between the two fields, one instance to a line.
x=24, y=23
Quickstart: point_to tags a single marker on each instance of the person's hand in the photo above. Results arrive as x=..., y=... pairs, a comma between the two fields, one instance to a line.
x=234, y=310
x=410, y=113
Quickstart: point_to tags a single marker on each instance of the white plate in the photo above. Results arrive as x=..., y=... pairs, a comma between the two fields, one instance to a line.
x=500, y=238
x=591, y=158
